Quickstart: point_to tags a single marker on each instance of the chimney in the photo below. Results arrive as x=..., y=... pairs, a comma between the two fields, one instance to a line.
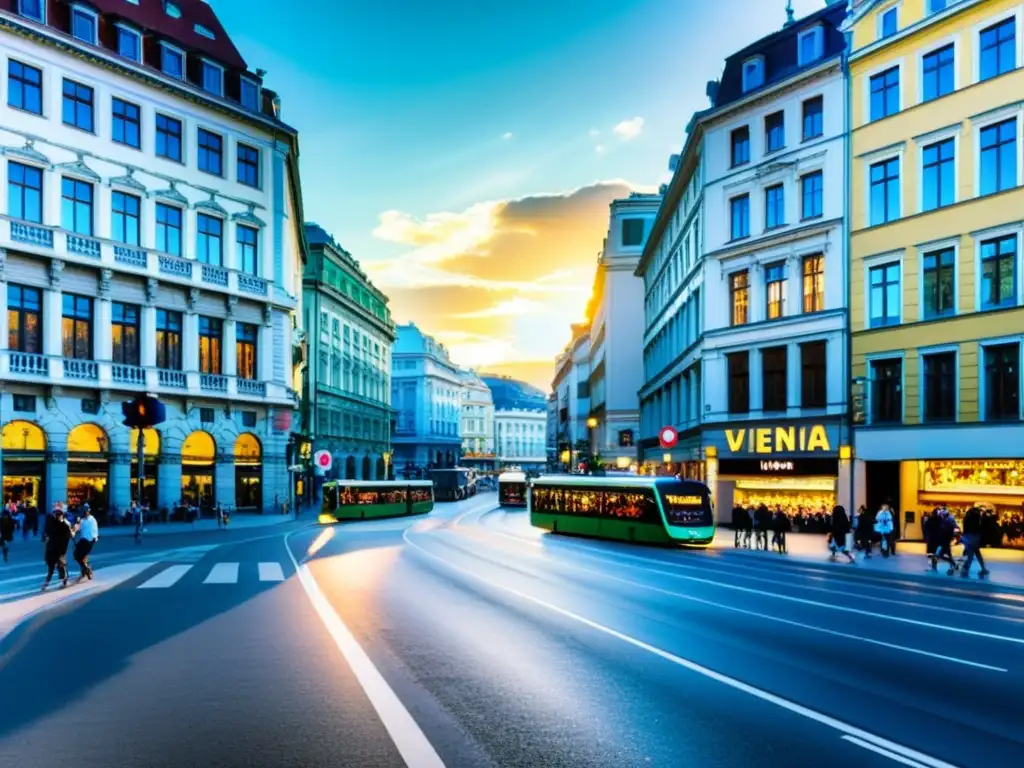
x=277, y=106
x=712, y=91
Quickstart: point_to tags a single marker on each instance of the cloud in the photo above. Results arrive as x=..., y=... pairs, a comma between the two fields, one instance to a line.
x=507, y=135
x=599, y=149
x=629, y=129
x=439, y=236
x=508, y=308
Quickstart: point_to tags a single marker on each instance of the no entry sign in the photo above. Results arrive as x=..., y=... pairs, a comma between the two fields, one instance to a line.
x=668, y=437
x=323, y=460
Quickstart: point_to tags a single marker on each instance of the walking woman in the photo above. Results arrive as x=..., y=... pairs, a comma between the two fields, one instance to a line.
x=58, y=536
x=840, y=530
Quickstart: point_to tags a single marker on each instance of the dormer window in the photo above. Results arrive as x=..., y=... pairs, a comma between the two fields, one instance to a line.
x=889, y=22
x=33, y=9
x=172, y=10
x=249, y=94
x=204, y=31
x=213, y=78
x=172, y=61
x=83, y=24
x=129, y=43
x=811, y=45
x=753, y=73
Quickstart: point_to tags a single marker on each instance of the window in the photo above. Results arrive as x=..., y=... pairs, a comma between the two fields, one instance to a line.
x=125, y=332
x=814, y=117
x=172, y=10
x=124, y=218
x=24, y=192
x=129, y=43
x=886, y=391
x=211, y=331
x=168, y=229
x=204, y=31
x=249, y=94
x=775, y=289
x=83, y=24
x=247, y=240
x=249, y=419
x=739, y=296
x=211, y=148
x=811, y=45
x=740, y=216
x=937, y=73
x=740, y=139
x=940, y=386
x=939, y=185
x=210, y=239
x=32, y=9
x=811, y=193
x=774, y=207
x=632, y=232
x=774, y=132
x=813, y=383
x=76, y=326
x=998, y=46
x=24, y=403
x=753, y=73
x=938, y=280
x=172, y=61
x=125, y=127
x=885, y=191
x=168, y=340
x=885, y=295
x=168, y=138
x=248, y=165
x=76, y=206
x=814, y=283
x=77, y=105
x=24, y=87
x=24, y=319
x=889, y=23
x=999, y=157
x=885, y=94
x=934, y=6
x=773, y=379
x=998, y=272
x=739, y=382
x=1002, y=381
x=213, y=78
x=245, y=350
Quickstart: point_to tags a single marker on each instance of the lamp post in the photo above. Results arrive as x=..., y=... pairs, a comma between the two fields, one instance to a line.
x=387, y=464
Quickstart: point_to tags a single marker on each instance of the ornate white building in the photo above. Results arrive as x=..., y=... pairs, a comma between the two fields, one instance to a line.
x=150, y=241
x=520, y=422
x=477, y=421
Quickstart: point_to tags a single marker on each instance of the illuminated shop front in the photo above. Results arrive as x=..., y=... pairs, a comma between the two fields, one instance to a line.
x=151, y=452
x=198, y=458
x=88, y=467
x=248, y=472
x=24, y=463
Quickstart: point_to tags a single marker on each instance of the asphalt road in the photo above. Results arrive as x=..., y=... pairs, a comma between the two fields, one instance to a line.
x=467, y=638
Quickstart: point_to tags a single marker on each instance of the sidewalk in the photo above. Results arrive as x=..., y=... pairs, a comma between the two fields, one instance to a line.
x=243, y=522
x=1006, y=565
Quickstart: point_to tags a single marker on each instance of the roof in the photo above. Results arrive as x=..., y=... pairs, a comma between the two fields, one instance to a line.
x=152, y=16
x=615, y=481
x=512, y=477
x=512, y=394
x=780, y=54
x=379, y=483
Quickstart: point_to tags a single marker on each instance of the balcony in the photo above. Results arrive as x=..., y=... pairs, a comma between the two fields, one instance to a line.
x=252, y=388
x=31, y=234
x=168, y=379
x=128, y=374
x=212, y=382
x=81, y=370
x=251, y=284
x=29, y=364
x=130, y=257
x=83, y=246
x=172, y=265
x=215, y=275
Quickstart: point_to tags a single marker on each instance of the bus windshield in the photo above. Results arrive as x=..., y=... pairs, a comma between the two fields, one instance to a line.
x=512, y=492
x=686, y=503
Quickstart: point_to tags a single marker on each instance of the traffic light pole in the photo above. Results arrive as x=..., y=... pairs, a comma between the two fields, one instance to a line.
x=140, y=455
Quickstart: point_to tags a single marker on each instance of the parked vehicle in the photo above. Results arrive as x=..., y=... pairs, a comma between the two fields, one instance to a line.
x=454, y=484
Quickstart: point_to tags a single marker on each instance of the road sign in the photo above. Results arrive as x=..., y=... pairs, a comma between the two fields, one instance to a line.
x=668, y=437
x=323, y=460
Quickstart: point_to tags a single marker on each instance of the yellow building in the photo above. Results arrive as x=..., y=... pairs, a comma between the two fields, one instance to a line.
x=936, y=214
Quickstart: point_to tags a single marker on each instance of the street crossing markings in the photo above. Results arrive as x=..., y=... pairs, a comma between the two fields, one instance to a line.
x=223, y=573
x=271, y=572
x=166, y=578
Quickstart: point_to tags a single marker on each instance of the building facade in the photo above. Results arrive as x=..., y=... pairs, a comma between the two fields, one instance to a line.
x=571, y=388
x=477, y=422
x=937, y=280
x=616, y=332
x=348, y=386
x=426, y=395
x=150, y=241
x=520, y=423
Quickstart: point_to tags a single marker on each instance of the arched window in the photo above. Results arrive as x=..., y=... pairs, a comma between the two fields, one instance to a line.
x=88, y=438
x=23, y=436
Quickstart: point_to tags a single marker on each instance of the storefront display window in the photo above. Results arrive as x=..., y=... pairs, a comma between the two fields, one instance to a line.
x=997, y=477
x=88, y=468
x=198, y=454
x=248, y=472
x=24, y=463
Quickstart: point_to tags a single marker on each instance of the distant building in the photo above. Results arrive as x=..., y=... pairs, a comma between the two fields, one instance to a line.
x=477, y=422
x=551, y=431
x=571, y=387
x=425, y=392
x=520, y=422
x=348, y=383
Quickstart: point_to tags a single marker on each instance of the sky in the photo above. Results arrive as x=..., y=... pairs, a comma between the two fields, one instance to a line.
x=466, y=152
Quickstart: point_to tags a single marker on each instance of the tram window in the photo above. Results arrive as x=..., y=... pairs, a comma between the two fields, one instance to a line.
x=583, y=501
x=419, y=495
x=547, y=500
x=627, y=505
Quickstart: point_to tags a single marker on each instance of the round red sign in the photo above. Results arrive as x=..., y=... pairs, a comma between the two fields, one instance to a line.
x=668, y=437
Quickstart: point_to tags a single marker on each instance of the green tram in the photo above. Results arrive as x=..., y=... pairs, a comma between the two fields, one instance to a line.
x=651, y=510
x=512, y=489
x=366, y=499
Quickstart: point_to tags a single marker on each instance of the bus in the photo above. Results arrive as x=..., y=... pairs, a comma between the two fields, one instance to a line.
x=454, y=483
x=512, y=487
x=366, y=499
x=651, y=510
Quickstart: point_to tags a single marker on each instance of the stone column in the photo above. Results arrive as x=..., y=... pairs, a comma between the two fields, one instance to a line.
x=56, y=477
x=265, y=355
x=52, y=314
x=230, y=361
x=224, y=479
x=190, y=341
x=103, y=342
x=168, y=480
x=119, y=491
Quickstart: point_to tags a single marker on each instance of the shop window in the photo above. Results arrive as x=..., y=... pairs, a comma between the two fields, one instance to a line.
x=887, y=391
x=1002, y=382
x=739, y=294
x=739, y=382
x=940, y=386
x=25, y=403
x=207, y=415
x=813, y=388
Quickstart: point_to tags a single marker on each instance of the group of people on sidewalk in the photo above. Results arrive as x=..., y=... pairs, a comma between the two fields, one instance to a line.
x=757, y=523
x=58, y=533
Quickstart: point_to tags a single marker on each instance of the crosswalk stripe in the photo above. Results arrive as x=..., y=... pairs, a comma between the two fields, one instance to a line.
x=271, y=572
x=166, y=578
x=223, y=573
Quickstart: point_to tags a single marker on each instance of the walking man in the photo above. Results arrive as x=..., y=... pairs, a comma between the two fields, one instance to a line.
x=58, y=536
x=6, y=531
x=88, y=530
x=972, y=542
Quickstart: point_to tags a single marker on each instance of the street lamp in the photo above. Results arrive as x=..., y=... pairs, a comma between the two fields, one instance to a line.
x=591, y=423
x=387, y=464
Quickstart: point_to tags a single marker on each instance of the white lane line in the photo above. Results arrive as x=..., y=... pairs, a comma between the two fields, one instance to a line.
x=223, y=573
x=271, y=572
x=879, y=751
x=771, y=698
x=166, y=578
x=410, y=741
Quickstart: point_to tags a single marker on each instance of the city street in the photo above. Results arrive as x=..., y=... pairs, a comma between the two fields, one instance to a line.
x=467, y=638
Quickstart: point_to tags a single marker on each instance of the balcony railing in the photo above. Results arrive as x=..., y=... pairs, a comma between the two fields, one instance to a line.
x=128, y=374
x=171, y=265
x=215, y=275
x=212, y=382
x=83, y=370
x=172, y=379
x=31, y=234
x=83, y=246
x=252, y=388
x=251, y=284
x=133, y=257
x=29, y=364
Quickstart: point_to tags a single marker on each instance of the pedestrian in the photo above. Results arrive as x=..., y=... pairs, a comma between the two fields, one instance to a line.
x=32, y=519
x=865, y=531
x=884, y=528
x=840, y=530
x=944, y=531
x=780, y=527
x=740, y=518
x=972, y=542
x=88, y=532
x=7, y=527
x=58, y=536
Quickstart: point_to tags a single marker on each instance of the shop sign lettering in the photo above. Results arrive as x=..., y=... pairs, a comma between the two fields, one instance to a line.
x=769, y=440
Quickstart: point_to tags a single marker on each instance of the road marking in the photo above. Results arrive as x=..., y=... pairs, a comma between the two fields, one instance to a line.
x=271, y=572
x=771, y=698
x=223, y=573
x=412, y=744
x=878, y=750
x=166, y=578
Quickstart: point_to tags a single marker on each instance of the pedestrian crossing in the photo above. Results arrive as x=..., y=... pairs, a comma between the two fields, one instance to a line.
x=218, y=573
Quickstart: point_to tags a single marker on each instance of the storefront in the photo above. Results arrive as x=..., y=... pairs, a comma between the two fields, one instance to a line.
x=151, y=452
x=248, y=473
x=24, y=464
x=684, y=459
x=198, y=456
x=88, y=468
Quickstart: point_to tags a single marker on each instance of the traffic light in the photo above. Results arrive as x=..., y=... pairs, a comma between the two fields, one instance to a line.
x=143, y=412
